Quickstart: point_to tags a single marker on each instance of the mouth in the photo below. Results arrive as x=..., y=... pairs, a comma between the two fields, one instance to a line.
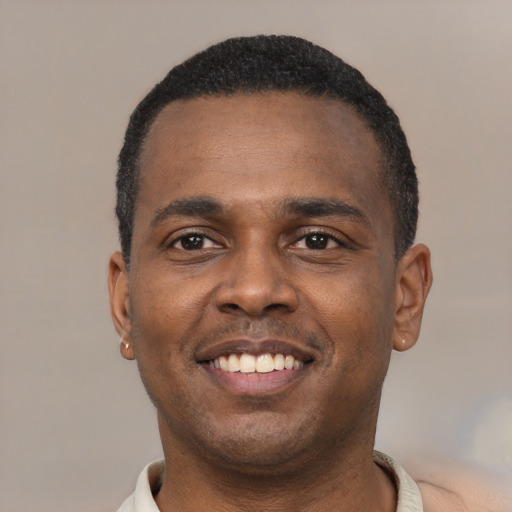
x=262, y=363
x=255, y=368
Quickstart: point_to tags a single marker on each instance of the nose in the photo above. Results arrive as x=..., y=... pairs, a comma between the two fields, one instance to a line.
x=256, y=282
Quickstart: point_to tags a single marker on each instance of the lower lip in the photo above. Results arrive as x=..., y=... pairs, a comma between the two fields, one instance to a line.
x=256, y=384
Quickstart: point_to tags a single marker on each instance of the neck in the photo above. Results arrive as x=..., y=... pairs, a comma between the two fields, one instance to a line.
x=341, y=478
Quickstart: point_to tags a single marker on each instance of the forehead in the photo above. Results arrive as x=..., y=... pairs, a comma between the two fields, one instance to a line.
x=261, y=147
x=318, y=121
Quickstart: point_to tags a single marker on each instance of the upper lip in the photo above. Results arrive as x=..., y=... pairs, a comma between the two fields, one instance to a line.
x=255, y=347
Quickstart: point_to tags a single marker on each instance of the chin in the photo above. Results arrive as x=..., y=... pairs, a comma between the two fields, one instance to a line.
x=262, y=456
x=253, y=444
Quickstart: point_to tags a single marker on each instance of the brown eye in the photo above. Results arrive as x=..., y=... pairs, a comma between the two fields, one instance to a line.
x=193, y=242
x=316, y=241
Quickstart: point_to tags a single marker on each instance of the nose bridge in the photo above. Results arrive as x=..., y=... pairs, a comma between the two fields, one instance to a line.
x=256, y=280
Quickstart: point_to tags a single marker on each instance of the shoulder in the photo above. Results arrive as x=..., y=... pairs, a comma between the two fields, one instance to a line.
x=465, y=491
x=148, y=484
x=438, y=499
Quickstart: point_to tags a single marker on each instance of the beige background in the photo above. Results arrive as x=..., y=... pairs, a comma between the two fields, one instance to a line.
x=76, y=426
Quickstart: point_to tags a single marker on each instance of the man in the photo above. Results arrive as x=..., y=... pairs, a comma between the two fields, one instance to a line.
x=267, y=206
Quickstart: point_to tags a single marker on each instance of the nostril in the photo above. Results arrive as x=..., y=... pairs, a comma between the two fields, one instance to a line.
x=271, y=307
x=255, y=298
x=231, y=306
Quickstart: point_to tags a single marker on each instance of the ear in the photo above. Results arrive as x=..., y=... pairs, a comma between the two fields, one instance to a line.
x=414, y=279
x=119, y=290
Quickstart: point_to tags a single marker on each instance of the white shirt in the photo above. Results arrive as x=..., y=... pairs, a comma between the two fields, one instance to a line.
x=409, y=498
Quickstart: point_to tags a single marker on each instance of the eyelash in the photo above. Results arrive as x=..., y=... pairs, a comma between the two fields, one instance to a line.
x=331, y=237
x=172, y=244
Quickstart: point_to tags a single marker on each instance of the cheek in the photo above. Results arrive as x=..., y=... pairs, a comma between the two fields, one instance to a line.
x=166, y=304
x=355, y=310
x=356, y=297
x=159, y=322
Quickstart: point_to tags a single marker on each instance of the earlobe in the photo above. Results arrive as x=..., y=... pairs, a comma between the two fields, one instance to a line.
x=118, y=286
x=126, y=348
x=414, y=279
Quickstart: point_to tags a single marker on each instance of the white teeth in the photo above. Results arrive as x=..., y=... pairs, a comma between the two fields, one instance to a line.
x=247, y=363
x=233, y=363
x=223, y=361
x=279, y=362
x=263, y=363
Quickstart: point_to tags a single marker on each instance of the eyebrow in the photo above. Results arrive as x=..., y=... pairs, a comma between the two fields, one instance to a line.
x=321, y=207
x=306, y=207
x=190, y=207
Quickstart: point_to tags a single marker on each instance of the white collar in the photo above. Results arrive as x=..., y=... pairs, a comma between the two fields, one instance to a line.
x=409, y=497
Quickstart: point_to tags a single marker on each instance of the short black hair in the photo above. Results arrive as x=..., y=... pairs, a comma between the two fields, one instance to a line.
x=273, y=63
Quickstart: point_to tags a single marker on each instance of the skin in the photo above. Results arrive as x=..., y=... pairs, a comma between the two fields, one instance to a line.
x=271, y=270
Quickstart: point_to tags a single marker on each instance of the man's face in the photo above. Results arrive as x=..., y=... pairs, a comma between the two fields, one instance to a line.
x=262, y=230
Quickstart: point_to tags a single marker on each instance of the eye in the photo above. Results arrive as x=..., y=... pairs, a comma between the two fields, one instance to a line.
x=317, y=241
x=193, y=242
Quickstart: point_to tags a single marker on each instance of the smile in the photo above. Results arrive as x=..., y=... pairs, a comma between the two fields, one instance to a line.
x=262, y=363
x=251, y=367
